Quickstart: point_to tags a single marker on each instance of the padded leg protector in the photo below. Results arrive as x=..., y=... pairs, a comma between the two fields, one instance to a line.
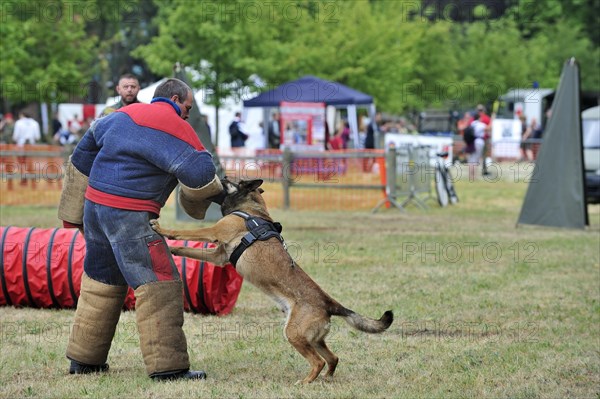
x=159, y=316
x=96, y=318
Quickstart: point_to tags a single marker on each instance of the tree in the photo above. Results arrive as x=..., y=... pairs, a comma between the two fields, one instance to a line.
x=491, y=60
x=407, y=58
x=354, y=44
x=220, y=40
x=120, y=27
x=46, y=55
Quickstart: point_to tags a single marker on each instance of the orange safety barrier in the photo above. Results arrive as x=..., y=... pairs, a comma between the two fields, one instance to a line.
x=31, y=172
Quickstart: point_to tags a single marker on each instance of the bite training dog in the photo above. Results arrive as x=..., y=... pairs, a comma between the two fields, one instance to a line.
x=248, y=237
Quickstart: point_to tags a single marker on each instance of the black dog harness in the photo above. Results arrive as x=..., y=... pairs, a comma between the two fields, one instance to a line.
x=258, y=229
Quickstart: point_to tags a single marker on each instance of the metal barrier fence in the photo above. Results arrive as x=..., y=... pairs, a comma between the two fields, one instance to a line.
x=341, y=180
x=409, y=174
x=332, y=180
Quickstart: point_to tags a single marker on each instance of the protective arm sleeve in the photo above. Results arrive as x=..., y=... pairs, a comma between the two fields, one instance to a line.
x=195, y=201
x=72, y=198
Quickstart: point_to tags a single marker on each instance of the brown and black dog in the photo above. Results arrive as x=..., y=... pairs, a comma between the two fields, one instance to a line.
x=268, y=266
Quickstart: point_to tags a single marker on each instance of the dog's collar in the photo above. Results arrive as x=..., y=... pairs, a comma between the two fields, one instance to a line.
x=258, y=229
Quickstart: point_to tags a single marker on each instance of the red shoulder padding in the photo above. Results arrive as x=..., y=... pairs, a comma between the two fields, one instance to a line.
x=162, y=116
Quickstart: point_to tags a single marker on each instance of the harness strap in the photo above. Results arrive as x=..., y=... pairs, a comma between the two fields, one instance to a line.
x=258, y=229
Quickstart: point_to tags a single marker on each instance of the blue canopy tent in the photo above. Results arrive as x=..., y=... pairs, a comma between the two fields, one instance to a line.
x=311, y=89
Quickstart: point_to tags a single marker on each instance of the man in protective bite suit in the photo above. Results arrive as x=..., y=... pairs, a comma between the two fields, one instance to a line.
x=118, y=178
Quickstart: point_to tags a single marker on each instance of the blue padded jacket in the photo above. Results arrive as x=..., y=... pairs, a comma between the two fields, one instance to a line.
x=135, y=156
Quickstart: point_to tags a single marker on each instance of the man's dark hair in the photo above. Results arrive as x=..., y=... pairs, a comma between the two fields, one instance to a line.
x=128, y=76
x=172, y=87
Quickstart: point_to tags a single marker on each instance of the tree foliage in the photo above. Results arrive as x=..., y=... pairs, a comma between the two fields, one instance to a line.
x=407, y=58
x=380, y=47
x=45, y=53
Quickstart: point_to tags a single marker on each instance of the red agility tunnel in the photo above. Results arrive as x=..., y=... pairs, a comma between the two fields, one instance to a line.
x=42, y=268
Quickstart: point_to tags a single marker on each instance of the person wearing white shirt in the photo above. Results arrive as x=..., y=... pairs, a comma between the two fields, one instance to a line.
x=476, y=156
x=27, y=130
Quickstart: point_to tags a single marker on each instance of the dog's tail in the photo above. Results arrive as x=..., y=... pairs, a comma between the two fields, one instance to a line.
x=363, y=323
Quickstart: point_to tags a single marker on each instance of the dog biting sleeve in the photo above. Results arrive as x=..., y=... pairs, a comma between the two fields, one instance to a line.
x=195, y=201
x=72, y=198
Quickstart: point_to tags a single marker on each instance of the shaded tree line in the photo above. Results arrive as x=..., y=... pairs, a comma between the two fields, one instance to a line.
x=408, y=55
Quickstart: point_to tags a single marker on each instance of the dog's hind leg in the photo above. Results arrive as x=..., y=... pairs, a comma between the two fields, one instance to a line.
x=296, y=334
x=310, y=354
x=328, y=355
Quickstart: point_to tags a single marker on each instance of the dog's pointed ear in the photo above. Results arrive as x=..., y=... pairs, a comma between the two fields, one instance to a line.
x=229, y=186
x=251, y=185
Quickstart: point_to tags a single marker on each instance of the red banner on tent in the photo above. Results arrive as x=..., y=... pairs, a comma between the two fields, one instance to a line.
x=302, y=125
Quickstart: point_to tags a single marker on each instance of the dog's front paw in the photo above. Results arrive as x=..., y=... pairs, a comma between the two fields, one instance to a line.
x=155, y=226
x=176, y=250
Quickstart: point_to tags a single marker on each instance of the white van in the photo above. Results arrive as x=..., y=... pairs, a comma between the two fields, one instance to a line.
x=590, y=125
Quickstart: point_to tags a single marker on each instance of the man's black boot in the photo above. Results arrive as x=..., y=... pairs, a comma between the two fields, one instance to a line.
x=82, y=368
x=178, y=375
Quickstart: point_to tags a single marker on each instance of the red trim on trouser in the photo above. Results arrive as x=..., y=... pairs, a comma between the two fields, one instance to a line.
x=161, y=260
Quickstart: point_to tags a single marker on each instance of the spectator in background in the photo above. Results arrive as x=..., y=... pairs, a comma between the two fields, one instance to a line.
x=274, y=132
x=525, y=135
x=60, y=135
x=373, y=129
x=335, y=141
x=461, y=125
x=485, y=119
x=128, y=88
x=463, y=122
x=74, y=125
x=533, y=131
x=7, y=126
x=476, y=156
x=56, y=124
x=238, y=137
x=27, y=130
x=483, y=116
x=327, y=136
x=343, y=132
x=536, y=130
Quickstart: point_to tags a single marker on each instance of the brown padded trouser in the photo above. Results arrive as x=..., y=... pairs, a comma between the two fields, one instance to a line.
x=98, y=311
x=159, y=316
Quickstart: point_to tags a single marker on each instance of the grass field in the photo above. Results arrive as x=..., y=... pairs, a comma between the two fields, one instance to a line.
x=483, y=310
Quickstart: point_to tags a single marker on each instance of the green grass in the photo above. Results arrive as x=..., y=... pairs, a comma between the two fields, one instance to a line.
x=483, y=310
